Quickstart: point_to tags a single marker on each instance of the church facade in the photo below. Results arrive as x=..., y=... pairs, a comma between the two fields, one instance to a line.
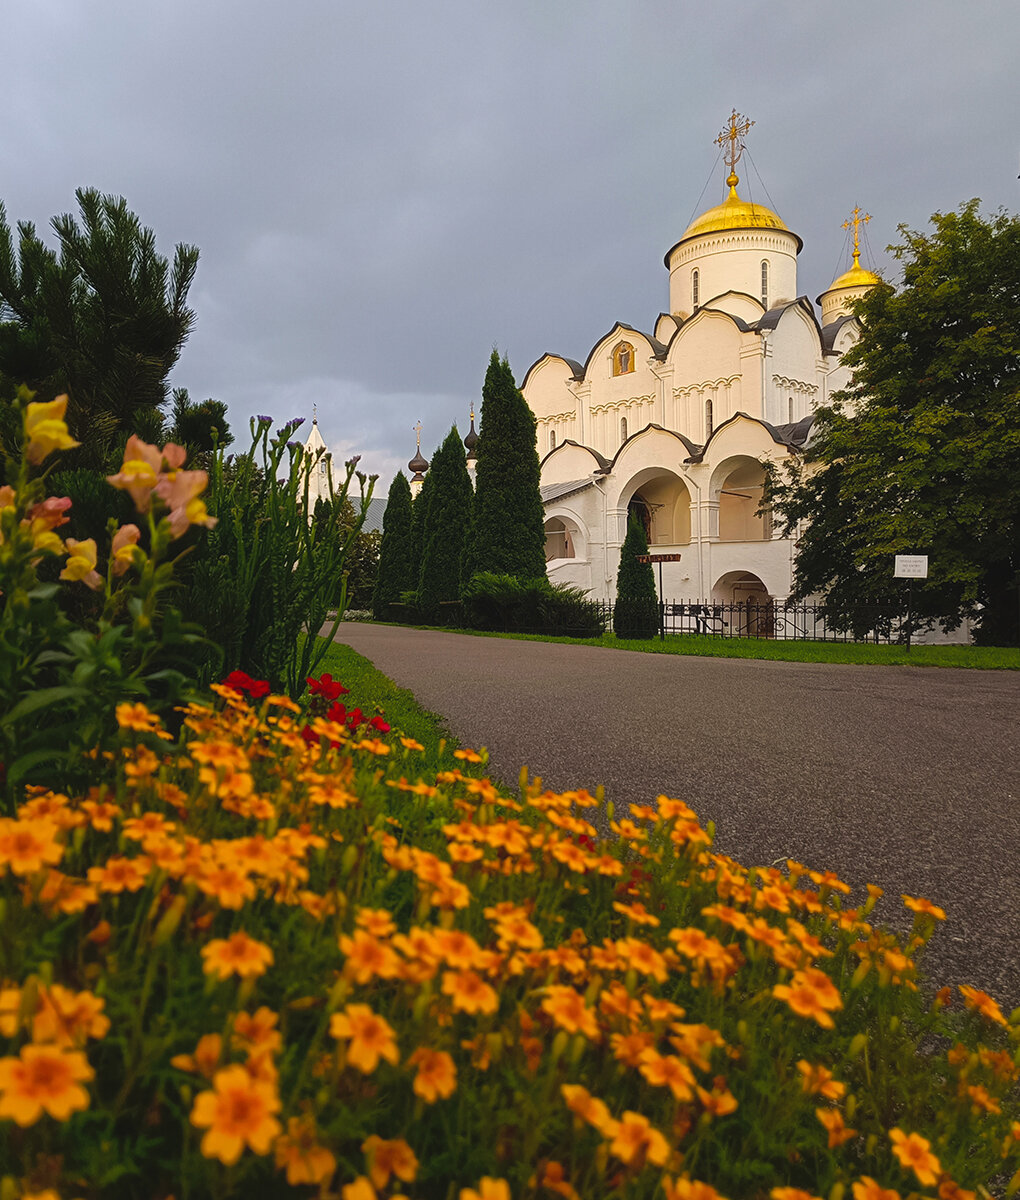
x=673, y=424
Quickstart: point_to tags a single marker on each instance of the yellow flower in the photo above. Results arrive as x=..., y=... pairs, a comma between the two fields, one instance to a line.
x=470, y=993
x=637, y=1140
x=568, y=1009
x=369, y=1035
x=818, y=1080
x=488, y=1189
x=982, y=1003
x=237, y=955
x=299, y=1151
x=924, y=907
x=43, y=1079
x=868, y=1189
x=437, y=1074
x=791, y=1193
x=811, y=993
x=386, y=1158
x=832, y=1119
x=81, y=563
x=28, y=846
x=589, y=1108
x=237, y=1112
x=46, y=430
x=914, y=1152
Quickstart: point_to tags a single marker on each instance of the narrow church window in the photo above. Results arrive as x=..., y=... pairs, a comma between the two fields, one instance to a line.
x=695, y=289
x=790, y=416
x=764, y=284
x=623, y=359
x=623, y=429
x=708, y=418
x=552, y=439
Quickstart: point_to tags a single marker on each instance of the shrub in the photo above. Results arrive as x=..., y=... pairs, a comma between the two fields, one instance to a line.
x=509, y=604
x=636, y=613
x=267, y=572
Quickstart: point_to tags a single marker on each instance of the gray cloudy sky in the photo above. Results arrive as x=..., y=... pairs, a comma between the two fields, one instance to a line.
x=383, y=191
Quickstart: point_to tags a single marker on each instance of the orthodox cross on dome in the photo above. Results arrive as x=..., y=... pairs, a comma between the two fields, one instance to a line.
x=734, y=135
x=315, y=414
x=417, y=429
x=855, y=224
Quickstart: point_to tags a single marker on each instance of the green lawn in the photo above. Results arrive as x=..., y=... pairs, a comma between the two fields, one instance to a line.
x=979, y=657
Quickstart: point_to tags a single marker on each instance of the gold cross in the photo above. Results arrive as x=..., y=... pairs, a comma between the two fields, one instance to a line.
x=856, y=224
x=417, y=430
x=739, y=125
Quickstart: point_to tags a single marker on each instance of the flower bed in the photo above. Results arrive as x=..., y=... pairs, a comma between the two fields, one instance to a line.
x=283, y=950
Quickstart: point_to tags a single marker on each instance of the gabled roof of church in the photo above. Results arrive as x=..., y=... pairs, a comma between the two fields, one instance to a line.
x=829, y=332
x=577, y=370
x=601, y=459
x=692, y=448
x=556, y=491
x=794, y=435
x=775, y=314
x=658, y=349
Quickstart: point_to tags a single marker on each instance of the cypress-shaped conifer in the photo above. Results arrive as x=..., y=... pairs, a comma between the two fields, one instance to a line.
x=508, y=532
x=396, y=561
x=445, y=525
x=636, y=612
x=418, y=511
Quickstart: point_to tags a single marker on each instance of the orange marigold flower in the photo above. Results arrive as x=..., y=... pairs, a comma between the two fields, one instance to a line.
x=436, y=1077
x=360, y=1189
x=568, y=1009
x=811, y=993
x=826, y=879
x=28, y=846
x=237, y=955
x=369, y=1037
x=488, y=1189
x=914, y=1152
x=137, y=716
x=386, y=1158
x=299, y=1151
x=411, y=744
x=950, y=1190
x=832, y=1119
x=818, y=1080
x=257, y=1030
x=368, y=958
x=666, y=1070
x=791, y=1193
x=237, y=1112
x=469, y=992
x=720, y=1101
x=69, y=1018
x=689, y=1189
x=101, y=814
x=43, y=1079
x=636, y=912
x=206, y=1058
x=642, y=957
x=636, y=1140
x=589, y=1108
x=121, y=874
x=467, y=755
x=868, y=1189
x=376, y=921
x=924, y=907
x=458, y=949
x=982, y=1003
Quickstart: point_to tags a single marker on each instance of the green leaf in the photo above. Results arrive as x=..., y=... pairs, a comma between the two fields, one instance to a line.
x=41, y=699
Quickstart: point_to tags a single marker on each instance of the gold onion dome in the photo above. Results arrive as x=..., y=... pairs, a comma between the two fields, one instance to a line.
x=856, y=277
x=734, y=213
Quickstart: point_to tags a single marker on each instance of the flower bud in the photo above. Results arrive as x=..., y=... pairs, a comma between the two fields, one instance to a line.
x=836, y=1191
x=857, y=1044
x=169, y=921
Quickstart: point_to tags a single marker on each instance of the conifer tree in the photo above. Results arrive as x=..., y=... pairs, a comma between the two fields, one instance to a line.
x=396, y=561
x=445, y=526
x=419, y=508
x=636, y=612
x=508, y=532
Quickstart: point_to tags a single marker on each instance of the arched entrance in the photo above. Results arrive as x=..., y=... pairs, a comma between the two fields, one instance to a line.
x=662, y=504
x=749, y=607
x=560, y=539
x=738, y=484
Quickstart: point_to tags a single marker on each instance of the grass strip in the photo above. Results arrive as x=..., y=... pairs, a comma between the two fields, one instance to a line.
x=984, y=658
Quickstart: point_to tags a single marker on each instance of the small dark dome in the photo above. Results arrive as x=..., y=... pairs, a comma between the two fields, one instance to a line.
x=418, y=464
x=471, y=441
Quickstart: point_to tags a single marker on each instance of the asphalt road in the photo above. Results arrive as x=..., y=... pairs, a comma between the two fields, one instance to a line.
x=908, y=777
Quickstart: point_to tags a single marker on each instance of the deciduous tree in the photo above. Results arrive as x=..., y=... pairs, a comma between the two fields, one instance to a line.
x=918, y=455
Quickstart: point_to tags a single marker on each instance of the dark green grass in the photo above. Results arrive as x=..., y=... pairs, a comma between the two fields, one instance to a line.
x=989, y=658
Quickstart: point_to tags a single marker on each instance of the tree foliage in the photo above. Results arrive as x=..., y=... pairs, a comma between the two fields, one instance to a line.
x=508, y=533
x=102, y=318
x=445, y=525
x=396, y=558
x=636, y=612
x=918, y=455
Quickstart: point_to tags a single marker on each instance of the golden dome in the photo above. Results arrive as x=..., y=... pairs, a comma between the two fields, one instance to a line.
x=734, y=213
x=856, y=277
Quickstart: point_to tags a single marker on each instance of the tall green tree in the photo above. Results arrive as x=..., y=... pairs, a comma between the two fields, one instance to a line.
x=445, y=526
x=103, y=317
x=396, y=573
x=636, y=612
x=918, y=455
x=508, y=532
x=200, y=427
x=419, y=511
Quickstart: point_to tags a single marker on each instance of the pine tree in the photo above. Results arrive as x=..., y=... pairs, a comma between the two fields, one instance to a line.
x=636, y=613
x=508, y=532
x=419, y=508
x=103, y=319
x=396, y=561
x=445, y=526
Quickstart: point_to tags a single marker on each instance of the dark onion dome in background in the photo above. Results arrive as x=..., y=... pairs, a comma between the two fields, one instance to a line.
x=471, y=441
x=419, y=464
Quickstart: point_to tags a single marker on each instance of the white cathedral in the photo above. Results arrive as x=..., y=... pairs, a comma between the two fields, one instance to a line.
x=673, y=425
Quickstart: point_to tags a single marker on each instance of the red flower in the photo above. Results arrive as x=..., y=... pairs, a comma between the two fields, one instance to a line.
x=337, y=712
x=241, y=682
x=354, y=718
x=326, y=686
x=379, y=725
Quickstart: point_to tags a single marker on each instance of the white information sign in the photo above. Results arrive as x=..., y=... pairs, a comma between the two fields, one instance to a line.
x=911, y=566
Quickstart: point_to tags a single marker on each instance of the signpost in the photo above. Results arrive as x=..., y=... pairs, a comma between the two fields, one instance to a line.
x=660, y=559
x=910, y=567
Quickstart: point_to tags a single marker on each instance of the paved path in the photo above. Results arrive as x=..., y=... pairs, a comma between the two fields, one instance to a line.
x=908, y=777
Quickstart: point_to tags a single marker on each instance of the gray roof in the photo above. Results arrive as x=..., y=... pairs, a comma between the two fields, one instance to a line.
x=556, y=491
x=374, y=516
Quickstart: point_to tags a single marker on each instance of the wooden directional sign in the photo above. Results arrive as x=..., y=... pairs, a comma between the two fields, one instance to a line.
x=660, y=558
